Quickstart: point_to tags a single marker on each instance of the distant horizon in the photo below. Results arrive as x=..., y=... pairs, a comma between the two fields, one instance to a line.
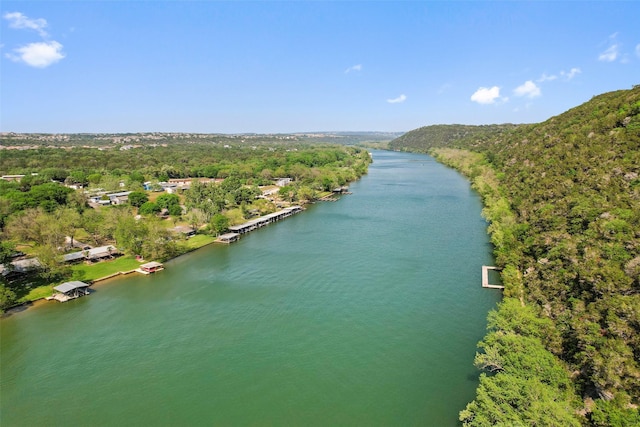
x=328, y=132
x=224, y=67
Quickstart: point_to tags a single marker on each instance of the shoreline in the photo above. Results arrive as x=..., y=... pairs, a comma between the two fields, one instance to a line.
x=99, y=281
x=19, y=308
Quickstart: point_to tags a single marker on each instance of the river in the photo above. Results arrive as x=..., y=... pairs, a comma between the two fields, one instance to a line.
x=366, y=311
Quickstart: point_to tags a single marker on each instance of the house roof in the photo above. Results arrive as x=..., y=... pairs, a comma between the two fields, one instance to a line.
x=119, y=194
x=99, y=251
x=21, y=266
x=151, y=264
x=91, y=253
x=69, y=286
x=228, y=236
x=72, y=256
x=183, y=229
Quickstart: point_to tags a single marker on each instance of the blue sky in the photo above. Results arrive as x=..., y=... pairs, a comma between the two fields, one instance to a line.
x=277, y=67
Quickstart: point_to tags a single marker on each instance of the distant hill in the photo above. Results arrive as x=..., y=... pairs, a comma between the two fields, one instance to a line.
x=423, y=139
x=35, y=140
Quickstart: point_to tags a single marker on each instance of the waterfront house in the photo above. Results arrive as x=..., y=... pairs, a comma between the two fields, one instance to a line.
x=93, y=254
x=185, y=230
x=20, y=267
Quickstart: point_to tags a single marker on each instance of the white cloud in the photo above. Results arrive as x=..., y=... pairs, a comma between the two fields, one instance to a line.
x=612, y=52
x=546, y=78
x=638, y=50
x=485, y=95
x=528, y=89
x=357, y=67
x=39, y=55
x=565, y=75
x=571, y=73
x=19, y=21
x=397, y=100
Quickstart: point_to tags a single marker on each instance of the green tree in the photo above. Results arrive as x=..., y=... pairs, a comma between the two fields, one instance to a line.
x=138, y=198
x=219, y=224
x=166, y=200
x=94, y=178
x=92, y=222
x=136, y=176
x=157, y=243
x=149, y=208
x=7, y=297
x=130, y=234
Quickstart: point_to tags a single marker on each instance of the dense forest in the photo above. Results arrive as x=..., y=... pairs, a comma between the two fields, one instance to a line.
x=44, y=211
x=563, y=201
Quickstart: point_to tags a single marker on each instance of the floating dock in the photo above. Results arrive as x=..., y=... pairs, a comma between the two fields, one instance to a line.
x=485, y=277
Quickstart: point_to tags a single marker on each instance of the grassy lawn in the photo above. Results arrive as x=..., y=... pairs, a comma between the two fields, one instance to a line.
x=87, y=273
x=197, y=241
x=37, y=293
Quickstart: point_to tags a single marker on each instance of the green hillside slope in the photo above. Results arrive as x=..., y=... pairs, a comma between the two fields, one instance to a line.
x=570, y=254
x=423, y=139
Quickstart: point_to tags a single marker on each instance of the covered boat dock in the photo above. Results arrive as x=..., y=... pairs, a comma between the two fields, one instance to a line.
x=265, y=220
x=150, y=267
x=70, y=290
x=228, y=238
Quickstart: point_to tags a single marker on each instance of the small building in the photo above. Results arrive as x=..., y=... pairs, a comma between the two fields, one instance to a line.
x=93, y=254
x=282, y=182
x=70, y=290
x=12, y=177
x=119, y=198
x=169, y=187
x=20, y=267
x=73, y=257
x=185, y=230
x=185, y=183
x=228, y=238
x=150, y=267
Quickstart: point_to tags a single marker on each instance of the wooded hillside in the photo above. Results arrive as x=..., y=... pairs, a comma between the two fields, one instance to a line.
x=570, y=253
x=423, y=139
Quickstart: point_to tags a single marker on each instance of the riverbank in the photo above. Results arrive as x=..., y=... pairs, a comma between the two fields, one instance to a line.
x=125, y=265
x=552, y=377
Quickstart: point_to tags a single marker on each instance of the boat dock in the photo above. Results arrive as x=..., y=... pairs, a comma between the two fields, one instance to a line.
x=69, y=290
x=262, y=221
x=150, y=267
x=228, y=238
x=485, y=277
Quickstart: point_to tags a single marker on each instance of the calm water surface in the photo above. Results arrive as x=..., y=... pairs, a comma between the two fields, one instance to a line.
x=365, y=312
